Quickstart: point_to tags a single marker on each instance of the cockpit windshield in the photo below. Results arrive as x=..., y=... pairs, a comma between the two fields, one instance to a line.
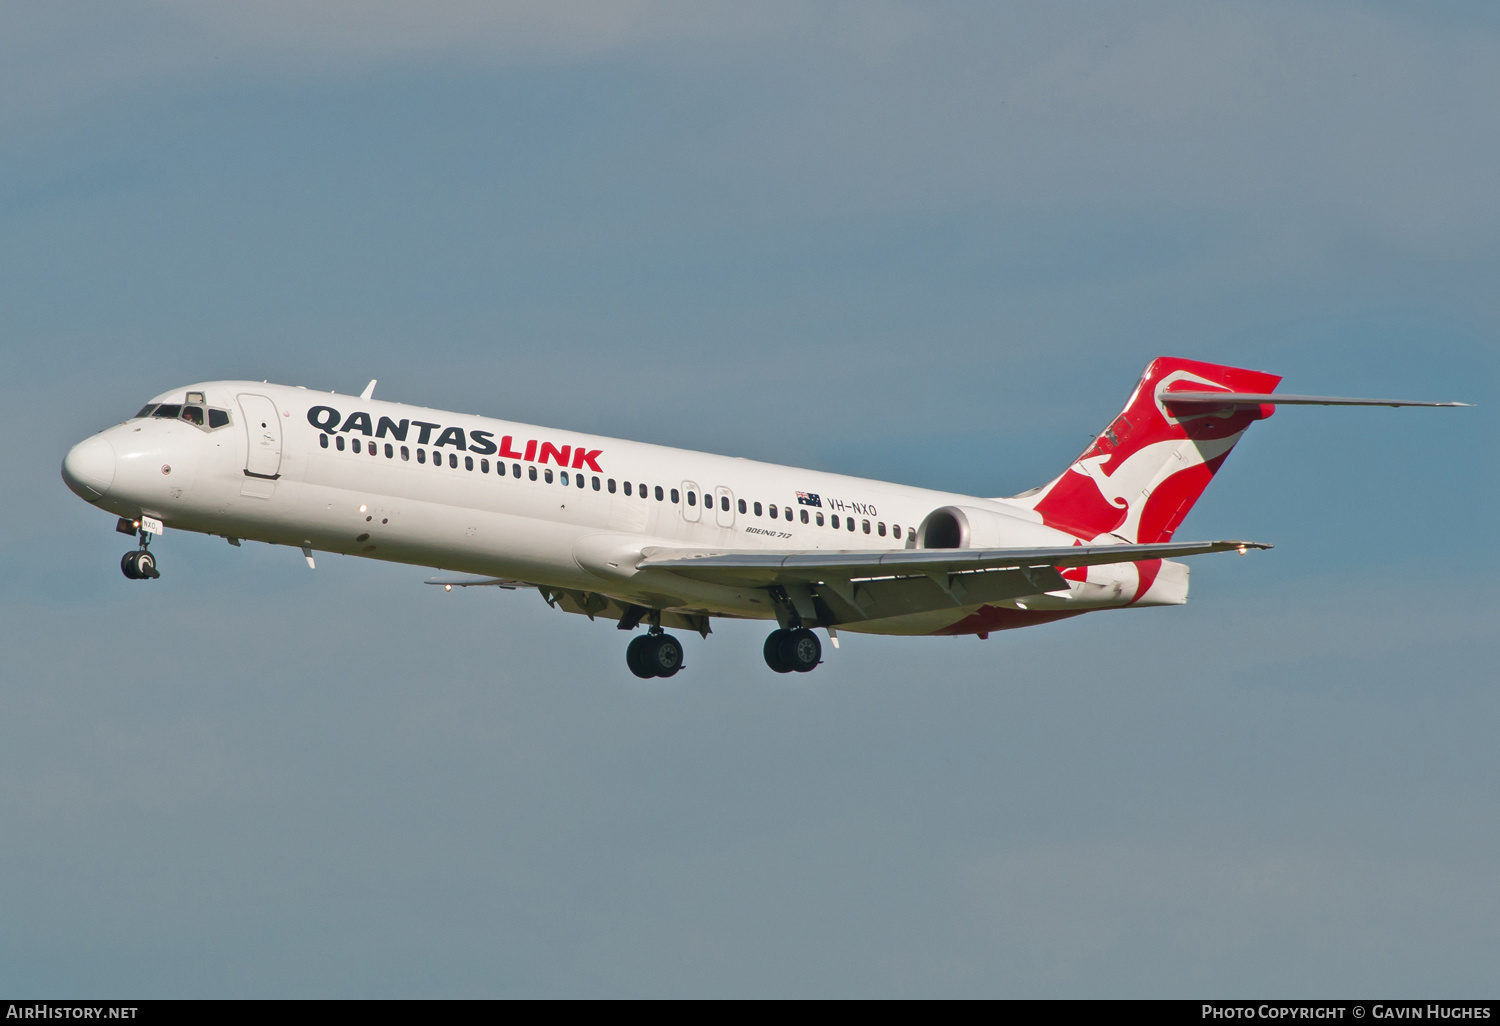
x=193, y=413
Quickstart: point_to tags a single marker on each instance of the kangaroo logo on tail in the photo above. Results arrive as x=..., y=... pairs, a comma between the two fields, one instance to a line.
x=1141, y=476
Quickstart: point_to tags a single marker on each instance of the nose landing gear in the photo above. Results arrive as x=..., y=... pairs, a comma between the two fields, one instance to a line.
x=654, y=655
x=140, y=565
x=793, y=650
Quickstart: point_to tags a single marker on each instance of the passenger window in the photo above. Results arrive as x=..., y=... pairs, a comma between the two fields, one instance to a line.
x=627, y=487
x=641, y=490
x=864, y=525
x=850, y=522
x=742, y=506
x=896, y=531
x=531, y=473
x=390, y=453
x=757, y=509
x=193, y=415
x=323, y=440
x=563, y=476
x=611, y=484
x=338, y=441
x=515, y=469
x=775, y=512
x=880, y=529
x=658, y=493
x=405, y=453
x=596, y=484
x=692, y=499
x=548, y=475
x=167, y=411
x=787, y=512
x=724, y=503
x=579, y=478
x=468, y=463
x=146, y=410
x=820, y=518
x=354, y=444
x=484, y=466
x=217, y=419
x=834, y=520
x=453, y=460
x=675, y=499
x=421, y=455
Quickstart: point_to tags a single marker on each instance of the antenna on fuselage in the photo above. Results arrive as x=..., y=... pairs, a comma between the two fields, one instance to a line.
x=369, y=390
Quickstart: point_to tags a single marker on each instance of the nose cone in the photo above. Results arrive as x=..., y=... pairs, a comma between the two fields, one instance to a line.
x=89, y=467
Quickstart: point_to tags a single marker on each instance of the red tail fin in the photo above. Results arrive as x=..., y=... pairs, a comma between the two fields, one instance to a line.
x=1142, y=475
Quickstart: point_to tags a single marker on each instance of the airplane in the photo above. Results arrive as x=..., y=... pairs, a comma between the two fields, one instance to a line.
x=650, y=535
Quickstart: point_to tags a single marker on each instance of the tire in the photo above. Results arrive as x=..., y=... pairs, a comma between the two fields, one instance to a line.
x=145, y=566
x=801, y=650
x=772, y=651
x=635, y=656
x=127, y=566
x=664, y=656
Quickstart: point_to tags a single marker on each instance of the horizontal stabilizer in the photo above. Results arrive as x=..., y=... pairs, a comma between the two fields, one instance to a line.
x=1172, y=398
x=762, y=567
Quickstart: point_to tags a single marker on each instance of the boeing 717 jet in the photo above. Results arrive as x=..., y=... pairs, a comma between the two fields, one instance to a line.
x=647, y=535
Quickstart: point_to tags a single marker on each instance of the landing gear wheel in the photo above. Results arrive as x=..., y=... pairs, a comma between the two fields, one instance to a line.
x=139, y=565
x=664, y=656
x=635, y=656
x=772, y=651
x=801, y=650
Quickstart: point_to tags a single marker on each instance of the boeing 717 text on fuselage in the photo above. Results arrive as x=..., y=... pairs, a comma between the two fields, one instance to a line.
x=647, y=535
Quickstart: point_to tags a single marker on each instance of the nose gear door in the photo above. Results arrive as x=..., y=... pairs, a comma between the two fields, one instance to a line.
x=263, y=432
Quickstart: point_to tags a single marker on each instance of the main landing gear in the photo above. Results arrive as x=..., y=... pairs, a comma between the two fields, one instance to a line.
x=139, y=565
x=788, y=650
x=654, y=654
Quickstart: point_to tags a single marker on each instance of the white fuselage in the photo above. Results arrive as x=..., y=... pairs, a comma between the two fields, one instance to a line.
x=561, y=510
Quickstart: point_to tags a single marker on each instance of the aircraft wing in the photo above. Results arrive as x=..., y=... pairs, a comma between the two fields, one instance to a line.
x=758, y=567
x=476, y=581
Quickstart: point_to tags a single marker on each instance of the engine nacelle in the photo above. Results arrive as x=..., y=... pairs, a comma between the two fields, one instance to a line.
x=968, y=527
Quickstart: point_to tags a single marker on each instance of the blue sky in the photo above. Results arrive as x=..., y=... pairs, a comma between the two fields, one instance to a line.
x=933, y=243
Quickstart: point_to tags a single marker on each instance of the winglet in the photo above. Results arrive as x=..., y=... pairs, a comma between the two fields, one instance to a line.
x=369, y=390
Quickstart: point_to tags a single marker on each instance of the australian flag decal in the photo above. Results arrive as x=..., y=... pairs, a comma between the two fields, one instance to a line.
x=809, y=499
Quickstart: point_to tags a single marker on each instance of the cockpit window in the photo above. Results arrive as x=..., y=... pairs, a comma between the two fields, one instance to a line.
x=218, y=418
x=193, y=415
x=146, y=410
x=168, y=411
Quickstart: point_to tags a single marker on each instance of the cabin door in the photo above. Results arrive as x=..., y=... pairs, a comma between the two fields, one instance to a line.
x=263, y=432
x=691, y=511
